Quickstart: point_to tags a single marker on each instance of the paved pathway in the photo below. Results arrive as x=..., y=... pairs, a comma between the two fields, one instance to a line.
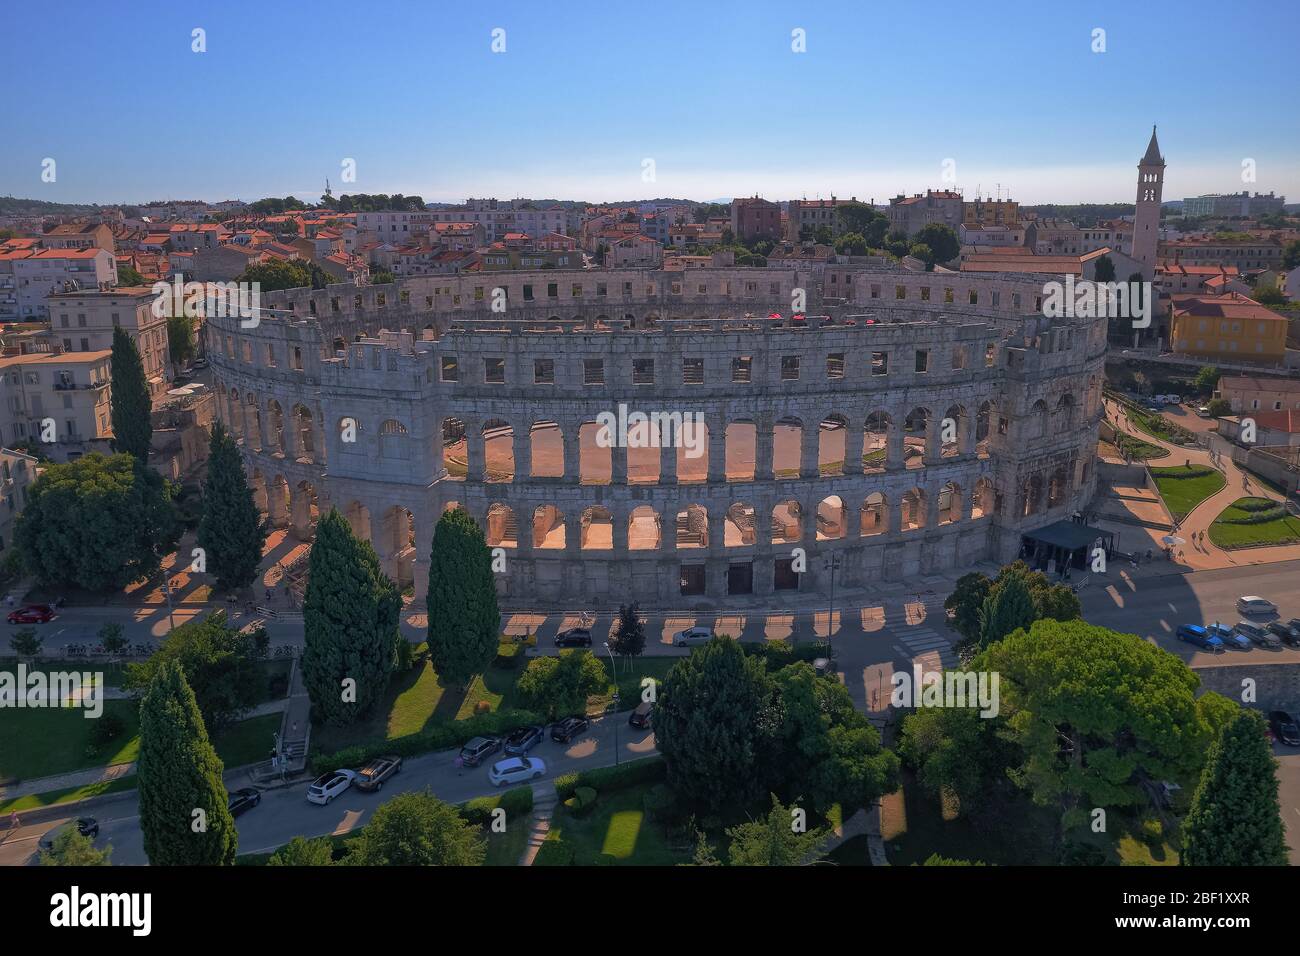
x=539, y=824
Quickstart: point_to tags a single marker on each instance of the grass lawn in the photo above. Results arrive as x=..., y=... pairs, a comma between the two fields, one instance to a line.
x=1228, y=531
x=46, y=741
x=616, y=831
x=505, y=849
x=629, y=676
x=1184, y=488
x=34, y=800
x=113, y=673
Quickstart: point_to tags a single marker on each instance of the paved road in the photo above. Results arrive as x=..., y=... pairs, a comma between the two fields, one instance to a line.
x=284, y=814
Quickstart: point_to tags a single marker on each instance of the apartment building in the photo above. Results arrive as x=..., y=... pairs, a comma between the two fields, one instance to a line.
x=39, y=273
x=910, y=214
x=80, y=235
x=187, y=237
x=59, y=401
x=635, y=252
x=1228, y=328
x=809, y=214
x=990, y=212
x=83, y=322
x=17, y=471
x=1244, y=254
x=753, y=218
x=1257, y=393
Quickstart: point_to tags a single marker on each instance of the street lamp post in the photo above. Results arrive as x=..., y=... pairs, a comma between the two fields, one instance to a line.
x=831, y=564
x=613, y=704
x=167, y=591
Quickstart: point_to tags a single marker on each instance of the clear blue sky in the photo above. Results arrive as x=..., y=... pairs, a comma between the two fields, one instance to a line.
x=586, y=91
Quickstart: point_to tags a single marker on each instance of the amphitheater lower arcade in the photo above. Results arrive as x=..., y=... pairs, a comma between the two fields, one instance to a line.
x=897, y=437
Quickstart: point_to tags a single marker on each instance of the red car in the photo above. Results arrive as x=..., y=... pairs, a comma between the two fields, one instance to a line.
x=32, y=614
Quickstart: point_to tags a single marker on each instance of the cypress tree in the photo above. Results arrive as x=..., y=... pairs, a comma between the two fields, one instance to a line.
x=1235, y=818
x=1009, y=606
x=131, y=405
x=179, y=773
x=350, y=616
x=231, y=531
x=464, y=619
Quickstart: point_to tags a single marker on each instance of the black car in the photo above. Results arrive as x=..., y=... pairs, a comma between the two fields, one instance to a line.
x=479, y=749
x=86, y=826
x=565, y=730
x=573, y=637
x=642, y=716
x=244, y=799
x=1284, y=727
x=1289, y=633
x=520, y=741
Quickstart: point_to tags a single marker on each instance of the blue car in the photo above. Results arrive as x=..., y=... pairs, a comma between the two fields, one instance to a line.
x=1229, y=637
x=1202, y=638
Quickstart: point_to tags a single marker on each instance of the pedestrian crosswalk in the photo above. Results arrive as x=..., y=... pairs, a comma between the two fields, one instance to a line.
x=925, y=644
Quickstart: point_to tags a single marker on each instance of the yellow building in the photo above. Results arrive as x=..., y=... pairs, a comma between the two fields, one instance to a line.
x=990, y=212
x=1228, y=328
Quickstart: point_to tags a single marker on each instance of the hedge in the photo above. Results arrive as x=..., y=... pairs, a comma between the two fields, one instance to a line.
x=517, y=802
x=645, y=770
x=440, y=737
x=778, y=654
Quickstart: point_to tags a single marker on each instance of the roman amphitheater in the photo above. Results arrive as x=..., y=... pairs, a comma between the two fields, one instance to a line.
x=905, y=423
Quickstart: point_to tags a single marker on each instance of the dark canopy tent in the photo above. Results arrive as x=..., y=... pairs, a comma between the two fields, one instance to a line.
x=1063, y=544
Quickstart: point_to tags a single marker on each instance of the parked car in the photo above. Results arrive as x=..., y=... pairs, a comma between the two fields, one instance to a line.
x=373, y=774
x=1258, y=634
x=1229, y=637
x=479, y=749
x=1285, y=727
x=329, y=785
x=86, y=826
x=519, y=742
x=1203, y=411
x=199, y=363
x=1201, y=637
x=562, y=731
x=242, y=800
x=1287, y=633
x=516, y=770
x=573, y=637
x=1254, y=604
x=643, y=716
x=32, y=614
x=693, y=637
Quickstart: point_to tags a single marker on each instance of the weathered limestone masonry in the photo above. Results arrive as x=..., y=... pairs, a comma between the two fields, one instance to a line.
x=913, y=422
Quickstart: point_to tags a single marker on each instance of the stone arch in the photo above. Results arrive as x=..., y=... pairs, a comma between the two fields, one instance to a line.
x=548, y=528
x=305, y=511
x=950, y=503
x=741, y=455
x=498, y=451
x=692, y=527
x=912, y=510
x=740, y=529
x=787, y=447
x=502, y=529
x=981, y=499
x=916, y=427
x=455, y=449
x=235, y=415
x=832, y=445
x=830, y=518
x=952, y=431
x=874, y=517
x=1032, y=492
x=1058, y=487
x=252, y=421
x=1063, y=417
x=358, y=516
x=595, y=463
x=875, y=442
x=692, y=452
x=1037, y=422
x=597, y=529
x=984, y=420
x=394, y=543
x=546, y=449
x=787, y=522
x=304, y=434
x=644, y=530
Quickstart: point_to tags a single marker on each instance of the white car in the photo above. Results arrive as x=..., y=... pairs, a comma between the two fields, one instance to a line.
x=329, y=785
x=1254, y=604
x=516, y=770
x=693, y=637
x=1203, y=411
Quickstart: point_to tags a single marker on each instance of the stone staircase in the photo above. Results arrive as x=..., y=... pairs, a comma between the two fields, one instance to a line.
x=544, y=803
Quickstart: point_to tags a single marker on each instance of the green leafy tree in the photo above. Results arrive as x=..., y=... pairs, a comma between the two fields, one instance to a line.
x=1235, y=818
x=919, y=250
x=560, y=685
x=1291, y=255
x=286, y=274
x=350, y=618
x=303, y=852
x=1207, y=379
x=231, y=531
x=26, y=642
x=773, y=840
x=1104, y=270
x=1095, y=714
x=180, y=339
x=934, y=859
x=220, y=663
x=1219, y=407
x=72, y=848
x=112, y=637
x=128, y=276
x=628, y=638
x=464, y=619
x=710, y=721
x=1266, y=293
x=382, y=277
x=965, y=602
x=131, y=404
x=417, y=829
x=97, y=522
x=183, y=813
x=956, y=752
x=851, y=244
x=822, y=748
x=1008, y=607
x=942, y=241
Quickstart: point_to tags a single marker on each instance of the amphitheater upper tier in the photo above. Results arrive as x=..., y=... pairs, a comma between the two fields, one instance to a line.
x=899, y=423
